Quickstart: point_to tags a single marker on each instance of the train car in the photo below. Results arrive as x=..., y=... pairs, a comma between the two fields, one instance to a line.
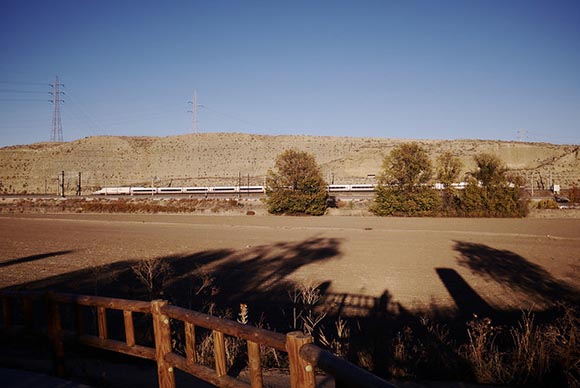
x=252, y=189
x=224, y=189
x=170, y=190
x=460, y=185
x=143, y=190
x=338, y=188
x=113, y=191
x=362, y=187
x=195, y=190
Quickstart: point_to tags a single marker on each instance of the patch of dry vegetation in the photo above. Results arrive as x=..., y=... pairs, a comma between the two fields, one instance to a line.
x=522, y=353
x=120, y=205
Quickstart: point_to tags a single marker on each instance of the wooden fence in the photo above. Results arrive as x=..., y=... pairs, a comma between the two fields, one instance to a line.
x=303, y=355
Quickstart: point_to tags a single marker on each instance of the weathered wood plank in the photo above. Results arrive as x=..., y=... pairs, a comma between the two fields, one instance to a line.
x=129, y=328
x=55, y=335
x=162, y=330
x=6, y=312
x=219, y=353
x=79, y=326
x=236, y=329
x=102, y=322
x=345, y=373
x=255, y=365
x=190, y=343
x=301, y=371
x=204, y=373
x=112, y=345
x=108, y=303
x=27, y=313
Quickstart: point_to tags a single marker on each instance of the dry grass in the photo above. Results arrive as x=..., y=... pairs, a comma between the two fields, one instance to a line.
x=528, y=353
x=152, y=273
x=121, y=205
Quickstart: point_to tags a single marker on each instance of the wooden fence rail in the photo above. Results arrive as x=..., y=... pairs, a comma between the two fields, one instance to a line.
x=303, y=356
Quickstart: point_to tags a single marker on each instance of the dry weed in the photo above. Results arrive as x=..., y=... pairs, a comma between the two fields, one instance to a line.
x=152, y=273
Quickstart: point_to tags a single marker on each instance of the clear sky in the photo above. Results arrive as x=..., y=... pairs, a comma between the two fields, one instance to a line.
x=402, y=69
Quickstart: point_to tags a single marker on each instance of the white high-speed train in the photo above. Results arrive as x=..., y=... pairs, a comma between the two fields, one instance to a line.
x=353, y=188
x=216, y=190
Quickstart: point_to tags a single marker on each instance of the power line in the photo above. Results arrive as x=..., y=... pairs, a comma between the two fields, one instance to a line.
x=21, y=91
x=230, y=116
x=22, y=99
x=23, y=83
x=88, y=117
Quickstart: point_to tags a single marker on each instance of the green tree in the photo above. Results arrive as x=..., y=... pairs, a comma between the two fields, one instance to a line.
x=403, y=185
x=448, y=168
x=295, y=185
x=407, y=166
x=490, y=170
x=489, y=193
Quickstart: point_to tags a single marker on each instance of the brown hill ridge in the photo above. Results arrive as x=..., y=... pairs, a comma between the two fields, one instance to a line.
x=222, y=158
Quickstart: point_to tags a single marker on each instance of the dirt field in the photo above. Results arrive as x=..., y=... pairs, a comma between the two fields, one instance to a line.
x=460, y=264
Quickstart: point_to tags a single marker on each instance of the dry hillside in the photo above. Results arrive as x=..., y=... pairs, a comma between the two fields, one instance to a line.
x=220, y=158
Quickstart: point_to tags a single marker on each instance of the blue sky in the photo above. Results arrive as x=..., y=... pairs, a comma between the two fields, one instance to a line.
x=397, y=69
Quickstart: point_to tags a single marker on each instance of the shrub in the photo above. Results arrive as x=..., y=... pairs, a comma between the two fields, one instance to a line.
x=574, y=194
x=296, y=186
x=490, y=170
x=407, y=166
x=547, y=204
x=448, y=168
x=488, y=193
x=491, y=201
x=403, y=189
x=395, y=201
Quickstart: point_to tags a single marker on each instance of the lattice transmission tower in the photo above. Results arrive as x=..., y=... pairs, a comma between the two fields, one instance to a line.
x=195, y=111
x=56, y=132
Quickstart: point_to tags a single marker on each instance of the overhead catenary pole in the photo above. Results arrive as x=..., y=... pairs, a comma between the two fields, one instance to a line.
x=79, y=188
x=62, y=184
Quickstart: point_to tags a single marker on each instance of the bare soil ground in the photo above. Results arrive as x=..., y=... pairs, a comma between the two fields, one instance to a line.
x=421, y=264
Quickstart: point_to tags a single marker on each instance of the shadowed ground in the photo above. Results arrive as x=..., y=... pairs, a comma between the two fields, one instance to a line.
x=380, y=275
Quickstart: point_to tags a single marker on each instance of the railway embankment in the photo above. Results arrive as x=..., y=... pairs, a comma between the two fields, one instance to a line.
x=198, y=206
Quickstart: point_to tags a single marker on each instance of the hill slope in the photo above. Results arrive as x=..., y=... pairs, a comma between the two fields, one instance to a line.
x=221, y=158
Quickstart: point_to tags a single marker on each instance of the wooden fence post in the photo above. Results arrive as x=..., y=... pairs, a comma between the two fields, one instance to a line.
x=102, y=322
x=54, y=333
x=6, y=313
x=162, y=332
x=78, y=319
x=129, y=328
x=255, y=365
x=219, y=353
x=27, y=313
x=301, y=371
x=190, y=343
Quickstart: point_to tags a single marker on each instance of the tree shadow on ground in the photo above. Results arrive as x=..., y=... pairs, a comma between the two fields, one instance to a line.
x=258, y=276
x=515, y=272
x=32, y=258
x=381, y=335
